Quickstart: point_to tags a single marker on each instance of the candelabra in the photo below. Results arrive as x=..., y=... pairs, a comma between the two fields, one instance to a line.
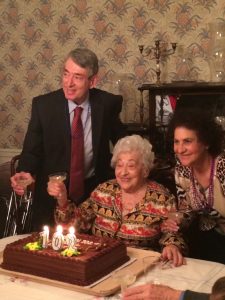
x=157, y=53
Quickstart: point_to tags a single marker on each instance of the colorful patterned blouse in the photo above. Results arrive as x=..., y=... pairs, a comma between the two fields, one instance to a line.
x=186, y=193
x=102, y=215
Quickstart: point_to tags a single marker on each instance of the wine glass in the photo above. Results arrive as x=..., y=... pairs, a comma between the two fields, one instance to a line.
x=23, y=181
x=124, y=277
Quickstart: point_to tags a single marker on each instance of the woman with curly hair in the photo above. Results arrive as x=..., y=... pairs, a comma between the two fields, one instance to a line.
x=200, y=182
x=130, y=207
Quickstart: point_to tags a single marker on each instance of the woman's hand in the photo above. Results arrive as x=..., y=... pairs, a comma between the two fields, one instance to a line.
x=58, y=190
x=151, y=292
x=169, y=225
x=172, y=253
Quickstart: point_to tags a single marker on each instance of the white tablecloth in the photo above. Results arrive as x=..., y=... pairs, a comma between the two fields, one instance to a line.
x=197, y=275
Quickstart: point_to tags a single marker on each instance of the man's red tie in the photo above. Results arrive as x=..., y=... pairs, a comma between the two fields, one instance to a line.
x=76, y=187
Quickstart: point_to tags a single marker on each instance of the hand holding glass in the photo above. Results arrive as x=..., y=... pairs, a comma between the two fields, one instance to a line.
x=175, y=216
x=23, y=181
x=57, y=177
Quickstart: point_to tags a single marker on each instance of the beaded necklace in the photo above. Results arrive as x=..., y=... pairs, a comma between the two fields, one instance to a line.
x=199, y=202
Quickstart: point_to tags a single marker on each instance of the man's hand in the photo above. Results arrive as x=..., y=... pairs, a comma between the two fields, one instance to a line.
x=16, y=184
x=151, y=292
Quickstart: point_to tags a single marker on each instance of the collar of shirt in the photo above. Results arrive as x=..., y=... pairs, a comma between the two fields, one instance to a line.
x=86, y=107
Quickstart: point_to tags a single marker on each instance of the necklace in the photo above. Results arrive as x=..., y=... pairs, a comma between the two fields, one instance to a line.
x=200, y=201
x=129, y=202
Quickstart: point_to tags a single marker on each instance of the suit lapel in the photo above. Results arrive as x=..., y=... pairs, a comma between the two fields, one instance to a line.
x=62, y=113
x=62, y=119
x=97, y=111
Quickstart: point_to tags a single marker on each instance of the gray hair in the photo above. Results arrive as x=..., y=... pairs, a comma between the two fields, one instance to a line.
x=138, y=144
x=85, y=58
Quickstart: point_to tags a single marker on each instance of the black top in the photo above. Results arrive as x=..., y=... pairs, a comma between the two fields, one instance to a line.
x=190, y=295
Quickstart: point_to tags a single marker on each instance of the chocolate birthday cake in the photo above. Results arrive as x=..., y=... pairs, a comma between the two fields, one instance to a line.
x=95, y=257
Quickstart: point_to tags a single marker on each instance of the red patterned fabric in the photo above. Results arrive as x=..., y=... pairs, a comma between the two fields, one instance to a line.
x=102, y=214
x=76, y=187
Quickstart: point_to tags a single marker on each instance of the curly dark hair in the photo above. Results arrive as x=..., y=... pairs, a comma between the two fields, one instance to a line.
x=218, y=289
x=208, y=131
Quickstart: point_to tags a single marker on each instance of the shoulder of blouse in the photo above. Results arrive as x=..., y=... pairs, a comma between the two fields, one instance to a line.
x=107, y=183
x=182, y=171
x=220, y=159
x=106, y=186
x=220, y=170
x=159, y=188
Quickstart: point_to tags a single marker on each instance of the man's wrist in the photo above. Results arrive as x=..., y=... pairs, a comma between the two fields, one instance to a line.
x=177, y=295
x=181, y=297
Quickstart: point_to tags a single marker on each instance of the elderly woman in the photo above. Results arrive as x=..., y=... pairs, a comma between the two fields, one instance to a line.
x=129, y=207
x=200, y=182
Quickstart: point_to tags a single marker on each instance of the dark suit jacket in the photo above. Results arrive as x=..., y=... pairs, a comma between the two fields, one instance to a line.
x=190, y=295
x=47, y=143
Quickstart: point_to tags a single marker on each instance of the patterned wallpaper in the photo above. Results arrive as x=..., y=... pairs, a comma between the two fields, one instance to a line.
x=35, y=36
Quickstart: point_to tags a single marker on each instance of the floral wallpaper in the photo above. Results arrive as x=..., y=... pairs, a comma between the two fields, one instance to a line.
x=35, y=36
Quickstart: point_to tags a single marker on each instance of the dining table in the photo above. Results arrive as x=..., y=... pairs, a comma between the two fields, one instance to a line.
x=197, y=275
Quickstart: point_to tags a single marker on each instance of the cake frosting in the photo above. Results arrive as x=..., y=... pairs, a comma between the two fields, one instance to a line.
x=98, y=257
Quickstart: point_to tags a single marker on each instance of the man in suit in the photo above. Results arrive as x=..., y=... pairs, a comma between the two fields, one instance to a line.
x=47, y=145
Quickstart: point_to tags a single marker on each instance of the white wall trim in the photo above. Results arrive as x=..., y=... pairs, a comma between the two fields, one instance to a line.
x=6, y=154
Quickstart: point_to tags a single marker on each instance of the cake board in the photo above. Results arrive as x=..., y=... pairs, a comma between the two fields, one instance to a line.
x=106, y=287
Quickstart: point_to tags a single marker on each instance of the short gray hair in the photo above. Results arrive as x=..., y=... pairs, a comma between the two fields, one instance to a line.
x=138, y=144
x=85, y=58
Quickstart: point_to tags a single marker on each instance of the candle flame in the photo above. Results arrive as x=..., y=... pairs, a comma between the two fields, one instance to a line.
x=59, y=229
x=71, y=230
x=46, y=229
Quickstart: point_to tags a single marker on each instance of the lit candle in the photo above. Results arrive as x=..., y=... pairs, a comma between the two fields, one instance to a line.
x=58, y=238
x=45, y=237
x=71, y=238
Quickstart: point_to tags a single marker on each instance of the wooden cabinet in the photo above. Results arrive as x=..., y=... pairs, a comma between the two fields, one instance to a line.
x=178, y=89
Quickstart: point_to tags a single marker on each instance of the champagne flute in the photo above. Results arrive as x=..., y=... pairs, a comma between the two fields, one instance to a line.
x=57, y=177
x=153, y=267
x=124, y=277
x=148, y=265
x=176, y=216
x=179, y=216
x=23, y=181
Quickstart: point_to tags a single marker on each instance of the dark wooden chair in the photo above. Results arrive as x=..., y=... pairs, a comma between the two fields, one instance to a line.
x=5, y=192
